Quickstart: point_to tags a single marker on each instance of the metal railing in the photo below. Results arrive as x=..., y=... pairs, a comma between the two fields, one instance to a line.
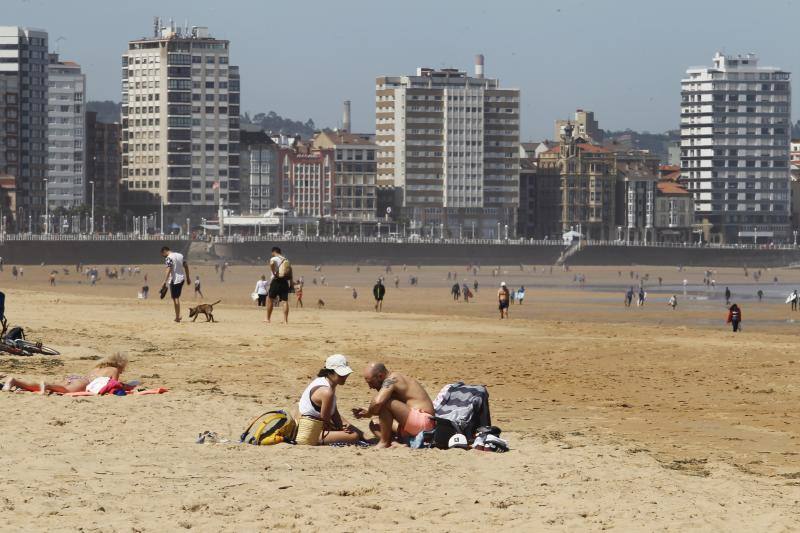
x=90, y=237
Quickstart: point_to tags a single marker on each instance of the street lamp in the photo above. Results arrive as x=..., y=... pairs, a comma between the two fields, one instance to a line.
x=47, y=209
x=91, y=225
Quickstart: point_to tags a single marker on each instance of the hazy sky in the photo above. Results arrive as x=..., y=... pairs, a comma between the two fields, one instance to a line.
x=621, y=58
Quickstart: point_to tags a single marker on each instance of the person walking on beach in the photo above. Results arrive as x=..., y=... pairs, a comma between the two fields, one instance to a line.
x=378, y=292
x=735, y=317
x=760, y=294
x=673, y=302
x=278, y=285
x=197, y=289
x=176, y=274
x=355, y=294
x=503, y=297
x=298, y=293
x=456, y=291
x=795, y=297
x=642, y=296
x=262, y=289
x=396, y=282
x=629, y=296
x=727, y=296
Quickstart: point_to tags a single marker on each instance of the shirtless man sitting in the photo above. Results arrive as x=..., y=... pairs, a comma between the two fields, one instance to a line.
x=399, y=399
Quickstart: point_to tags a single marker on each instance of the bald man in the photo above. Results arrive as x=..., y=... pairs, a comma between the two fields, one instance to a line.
x=399, y=399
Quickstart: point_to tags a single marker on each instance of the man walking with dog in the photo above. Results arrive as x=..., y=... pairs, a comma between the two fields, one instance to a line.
x=279, y=283
x=176, y=275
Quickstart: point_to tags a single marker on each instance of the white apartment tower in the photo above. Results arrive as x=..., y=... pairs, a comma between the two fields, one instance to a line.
x=66, y=158
x=735, y=129
x=450, y=143
x=180, y=124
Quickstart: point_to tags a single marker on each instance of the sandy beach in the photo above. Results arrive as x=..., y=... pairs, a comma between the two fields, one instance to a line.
x=618, y=418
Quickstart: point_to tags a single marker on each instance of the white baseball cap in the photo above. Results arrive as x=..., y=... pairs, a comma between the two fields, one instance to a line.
x=338, y=363
x=502, y=283
x=458, y=441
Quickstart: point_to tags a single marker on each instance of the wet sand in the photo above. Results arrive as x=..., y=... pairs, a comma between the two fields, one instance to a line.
x=627, y=418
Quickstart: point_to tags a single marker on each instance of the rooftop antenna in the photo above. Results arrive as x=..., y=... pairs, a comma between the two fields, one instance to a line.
x=156, y=26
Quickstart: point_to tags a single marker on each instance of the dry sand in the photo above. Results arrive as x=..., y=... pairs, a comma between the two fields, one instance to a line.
x=626, y=419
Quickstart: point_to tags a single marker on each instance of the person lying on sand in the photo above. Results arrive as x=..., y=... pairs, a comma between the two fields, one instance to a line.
x=400, y=399
x=320, y=421
x=112, y=367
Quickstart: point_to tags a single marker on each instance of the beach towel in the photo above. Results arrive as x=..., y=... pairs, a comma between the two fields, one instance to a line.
x=159, y=390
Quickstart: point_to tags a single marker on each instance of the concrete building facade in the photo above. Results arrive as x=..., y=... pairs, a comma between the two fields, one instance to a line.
x=306, y=178
x=66, y=133
x=259, y=172
x=449, y=143
x=735, y=127
x=355, y=194
x=103, y=162
x=23, y=82
x=584, y=125
x=180, y=124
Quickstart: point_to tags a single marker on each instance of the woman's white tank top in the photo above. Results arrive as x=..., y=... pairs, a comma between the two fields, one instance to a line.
x=306, y=407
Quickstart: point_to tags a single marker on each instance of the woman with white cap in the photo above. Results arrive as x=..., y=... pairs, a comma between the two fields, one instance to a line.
x=320, y=421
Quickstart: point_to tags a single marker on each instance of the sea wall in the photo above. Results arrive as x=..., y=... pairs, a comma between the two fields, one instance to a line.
x=329, y=253
x=710, y=257
x=87, y=252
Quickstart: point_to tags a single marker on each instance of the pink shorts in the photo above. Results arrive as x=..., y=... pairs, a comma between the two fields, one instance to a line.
x=417, y=422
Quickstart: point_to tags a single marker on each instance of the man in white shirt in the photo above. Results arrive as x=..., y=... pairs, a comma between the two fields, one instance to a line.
x=278, y=287
x=177, y=273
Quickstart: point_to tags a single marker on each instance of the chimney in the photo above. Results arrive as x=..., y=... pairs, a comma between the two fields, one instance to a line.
x=346, y=116
x=479, y=66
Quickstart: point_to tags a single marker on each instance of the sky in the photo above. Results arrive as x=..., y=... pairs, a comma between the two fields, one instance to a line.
x=623, y=59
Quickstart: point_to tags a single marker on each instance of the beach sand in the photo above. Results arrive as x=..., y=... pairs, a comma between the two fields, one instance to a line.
x=627, y=419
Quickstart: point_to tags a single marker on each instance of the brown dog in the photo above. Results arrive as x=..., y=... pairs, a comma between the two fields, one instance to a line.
x=206, y=309
x=320, y=303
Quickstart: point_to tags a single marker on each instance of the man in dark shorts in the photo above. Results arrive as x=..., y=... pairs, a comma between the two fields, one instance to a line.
x=378, y=292
x=503, y=297
x=278, y=287
x=176, y=275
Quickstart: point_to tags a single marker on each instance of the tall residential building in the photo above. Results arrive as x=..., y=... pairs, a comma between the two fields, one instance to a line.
x=103, y=162
x=584, y=125
x=180, y=124
x=23, y=81
x=450, y=143
x=355, y=190
x=735, y=128
x=66, y=159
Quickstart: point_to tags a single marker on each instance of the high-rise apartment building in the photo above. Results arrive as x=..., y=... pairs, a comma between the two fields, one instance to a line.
x=23, y=83
x=180, y=123
x=735, y=129
x=450, y=143
x=66, y=109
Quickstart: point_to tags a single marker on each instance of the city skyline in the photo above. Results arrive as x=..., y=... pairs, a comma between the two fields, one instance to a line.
x=560, y=56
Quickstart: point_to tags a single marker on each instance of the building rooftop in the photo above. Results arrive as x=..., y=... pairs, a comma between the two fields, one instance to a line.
x=671, y=188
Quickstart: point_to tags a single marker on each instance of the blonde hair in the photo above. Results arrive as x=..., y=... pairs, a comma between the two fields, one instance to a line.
x=118, y=361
